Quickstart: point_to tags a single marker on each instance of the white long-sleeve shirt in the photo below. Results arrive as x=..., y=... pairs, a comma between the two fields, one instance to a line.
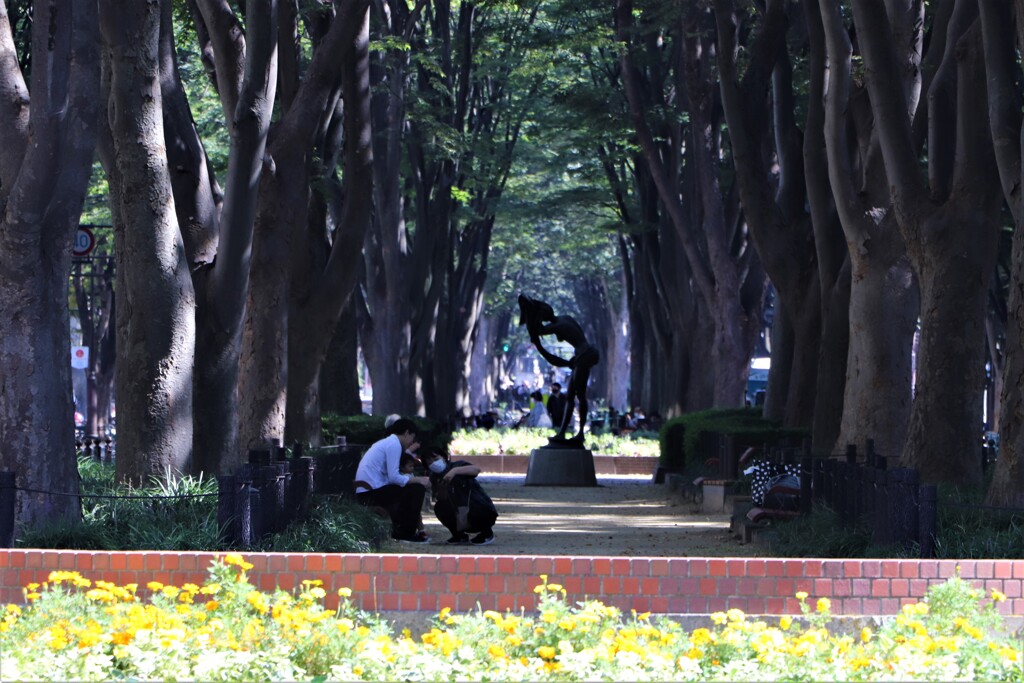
x=379, y=465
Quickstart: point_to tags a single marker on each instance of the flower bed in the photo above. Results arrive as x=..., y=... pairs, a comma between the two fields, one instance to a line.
x=227, y=629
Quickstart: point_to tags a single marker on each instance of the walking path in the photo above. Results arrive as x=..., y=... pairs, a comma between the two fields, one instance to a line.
x=624, y=516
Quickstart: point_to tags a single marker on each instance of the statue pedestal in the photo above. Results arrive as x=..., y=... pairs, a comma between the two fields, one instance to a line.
x=561, y=467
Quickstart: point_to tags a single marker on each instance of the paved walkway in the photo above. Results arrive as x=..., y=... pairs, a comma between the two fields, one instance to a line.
x=624, y=516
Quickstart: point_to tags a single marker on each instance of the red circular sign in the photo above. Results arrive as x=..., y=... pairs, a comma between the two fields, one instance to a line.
x=85, y=242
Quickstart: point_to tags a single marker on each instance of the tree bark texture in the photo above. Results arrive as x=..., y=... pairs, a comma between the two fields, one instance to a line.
x=42, y=187
x=950, y=224
x=156, y=308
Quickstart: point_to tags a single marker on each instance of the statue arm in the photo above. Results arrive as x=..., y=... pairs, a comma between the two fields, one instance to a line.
x=557, y=361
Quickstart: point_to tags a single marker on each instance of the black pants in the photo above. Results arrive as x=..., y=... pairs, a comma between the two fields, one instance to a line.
x=403, y=503
x=479, y=521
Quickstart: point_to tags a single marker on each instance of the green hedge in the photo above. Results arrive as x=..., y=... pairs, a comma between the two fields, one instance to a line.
x=680, y=436
x=365, y=429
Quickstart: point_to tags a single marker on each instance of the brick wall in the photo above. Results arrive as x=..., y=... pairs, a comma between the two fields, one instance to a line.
x=603, y=464
x=426, y=583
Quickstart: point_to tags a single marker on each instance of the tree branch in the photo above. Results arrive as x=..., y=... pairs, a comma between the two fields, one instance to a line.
x=14, y=107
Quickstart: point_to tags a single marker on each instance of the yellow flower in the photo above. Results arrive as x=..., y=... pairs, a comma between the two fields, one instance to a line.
x=865, y=634
x=170, y=591
x=801, y=595
x=546, y=652
x=32, y=596
x=567, y=624
x=735, y=614
x=700, y=636
x=824, y=604
x=785, y=622
x=719, y=618
x=345, y=592
x=496, y=651
x=998, y=596
x=554, y=587
x=32, y=586
x=154, y=586
x=548, y=617
x=212, y=605
x=345, y=625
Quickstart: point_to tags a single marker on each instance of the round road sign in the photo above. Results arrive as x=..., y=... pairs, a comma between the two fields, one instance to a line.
x=85, y=242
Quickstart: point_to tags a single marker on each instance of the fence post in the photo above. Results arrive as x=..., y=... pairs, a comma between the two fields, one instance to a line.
x=244, y=507
x=227, y=488
x=927, y=519
x=869, y=452
x=903, y=505
x=8, y=498
x=259, y=456
x=806, y=471
x=283, y=512
x=267, y=511
x=302, y=485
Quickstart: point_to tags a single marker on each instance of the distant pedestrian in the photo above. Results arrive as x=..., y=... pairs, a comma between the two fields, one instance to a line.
x=556, y=404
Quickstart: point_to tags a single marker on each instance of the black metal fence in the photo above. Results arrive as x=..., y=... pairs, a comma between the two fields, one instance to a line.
x=261, y=498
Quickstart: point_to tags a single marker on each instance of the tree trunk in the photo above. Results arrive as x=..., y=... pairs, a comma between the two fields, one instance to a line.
x=339, y=376
x=156, y=316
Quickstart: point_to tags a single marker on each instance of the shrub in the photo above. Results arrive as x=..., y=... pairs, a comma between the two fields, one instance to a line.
x=226, y=629
x=365, y=429
x=681, y=436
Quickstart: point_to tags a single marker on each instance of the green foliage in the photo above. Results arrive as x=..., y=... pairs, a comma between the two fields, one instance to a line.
x=967, y=529
x=820, y=535
x=680, y=437
x=181, y=515
x=335, y=525
x=366, y=429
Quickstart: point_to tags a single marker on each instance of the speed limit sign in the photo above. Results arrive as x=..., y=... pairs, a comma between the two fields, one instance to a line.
x=85, y=241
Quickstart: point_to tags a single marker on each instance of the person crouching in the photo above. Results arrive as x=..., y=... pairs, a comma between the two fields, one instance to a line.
x=462, y=505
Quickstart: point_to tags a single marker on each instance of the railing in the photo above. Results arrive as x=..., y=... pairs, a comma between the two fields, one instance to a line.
x=261, y=498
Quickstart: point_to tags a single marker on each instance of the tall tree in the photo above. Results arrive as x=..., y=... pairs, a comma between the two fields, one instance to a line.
x=949, y=221
x=47, y=139
x=883, y=295
x=725, y=270
x=156, y=321
x=1002, y=32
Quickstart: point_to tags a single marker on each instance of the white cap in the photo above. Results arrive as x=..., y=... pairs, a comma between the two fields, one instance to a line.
x=390, y=420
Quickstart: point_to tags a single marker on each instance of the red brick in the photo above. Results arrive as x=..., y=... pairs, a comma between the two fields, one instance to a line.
x=900, y=588
x=727, y=587
x=946, y=569
x=756, y=567
x=1018, y=570
x=659, y=567
x=84, y=562
x=401, y=582
x=908, y=570
x=457, y=583
x=506, y=565
x=361, y=583
x=736, y=568
x=794, y=568
x=891, y=569
x=582, y=565
x=984, y=569
x=823, y=587
x=562, y=566
x=389, y=601
x=659, y=605
x=477, y=583
x=295, y=563
x=698, y=567
x=842, y=588
x=592, y=586
x=408, y=601
x=135, y=561
x=708, y=587
x=717, y=604
x=775, y=568
x=573, y=584
x=834, y=569
x=1003, y=569
x=620, y=566
x=812, y=568
x=746, y=586
x=880, y=589
x=853, y=569
x=630, y=586
x=275, y=563
x=641, y=605
x=716, y=567
x=871, y=568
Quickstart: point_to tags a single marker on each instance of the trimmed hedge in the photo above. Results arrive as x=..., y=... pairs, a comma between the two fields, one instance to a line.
x=365, y=429
x=681, y=436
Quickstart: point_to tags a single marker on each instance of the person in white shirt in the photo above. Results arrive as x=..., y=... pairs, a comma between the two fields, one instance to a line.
x=379, y=482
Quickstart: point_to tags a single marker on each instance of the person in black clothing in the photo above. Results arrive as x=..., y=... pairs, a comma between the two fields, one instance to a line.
x=462, y=505
x=556, y=404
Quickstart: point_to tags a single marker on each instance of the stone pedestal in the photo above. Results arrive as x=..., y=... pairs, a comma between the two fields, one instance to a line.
x=561, y=467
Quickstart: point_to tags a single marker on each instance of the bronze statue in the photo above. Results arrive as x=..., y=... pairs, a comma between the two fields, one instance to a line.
x=540, y=319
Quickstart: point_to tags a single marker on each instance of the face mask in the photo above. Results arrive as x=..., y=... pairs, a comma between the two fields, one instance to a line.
x=437, y=466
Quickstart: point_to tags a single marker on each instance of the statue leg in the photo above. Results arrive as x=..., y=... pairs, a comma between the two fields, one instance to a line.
x=582, y=376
